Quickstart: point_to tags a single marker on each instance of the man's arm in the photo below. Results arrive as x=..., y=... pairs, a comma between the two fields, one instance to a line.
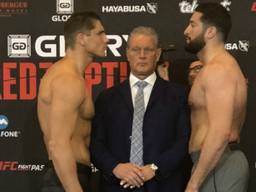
x=67, y=95
x=219, y=88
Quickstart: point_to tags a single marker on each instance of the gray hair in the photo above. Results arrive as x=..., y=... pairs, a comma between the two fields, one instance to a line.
x=143, y=30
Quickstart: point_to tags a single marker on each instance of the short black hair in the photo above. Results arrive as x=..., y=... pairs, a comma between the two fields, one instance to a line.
x=216, y=15
x=79, y=22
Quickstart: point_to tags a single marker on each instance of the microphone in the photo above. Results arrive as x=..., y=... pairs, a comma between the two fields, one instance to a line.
x=169, y=47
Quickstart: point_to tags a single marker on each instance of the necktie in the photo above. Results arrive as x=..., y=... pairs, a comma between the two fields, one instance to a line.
x=136, y=153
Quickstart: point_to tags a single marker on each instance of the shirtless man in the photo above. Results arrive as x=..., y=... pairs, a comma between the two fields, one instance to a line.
x=65, y=109
x=218, y=105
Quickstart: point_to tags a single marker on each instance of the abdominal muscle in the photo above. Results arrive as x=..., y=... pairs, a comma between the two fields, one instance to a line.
x=79, y=142
x=200, y=126
x=199, y=123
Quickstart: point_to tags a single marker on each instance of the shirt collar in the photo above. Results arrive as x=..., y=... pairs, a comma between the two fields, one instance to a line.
x=150, y=79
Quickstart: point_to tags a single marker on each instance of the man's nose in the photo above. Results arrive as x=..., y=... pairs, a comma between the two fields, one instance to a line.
x=186, y=31
x=106, y=40
x=142, y=53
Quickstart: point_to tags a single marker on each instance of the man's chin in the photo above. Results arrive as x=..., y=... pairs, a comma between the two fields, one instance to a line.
x=195, y=47
x=191, y=50
x=145, y=73
x=101, y=54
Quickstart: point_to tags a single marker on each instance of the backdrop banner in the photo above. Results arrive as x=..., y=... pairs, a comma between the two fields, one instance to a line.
x=31, y=40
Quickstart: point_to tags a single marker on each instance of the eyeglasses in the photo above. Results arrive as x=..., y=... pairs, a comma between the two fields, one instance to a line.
x=146, y=51
x=196, y=68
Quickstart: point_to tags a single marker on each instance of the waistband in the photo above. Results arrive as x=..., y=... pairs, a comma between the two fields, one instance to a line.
x=234, y=145
x=81, y=168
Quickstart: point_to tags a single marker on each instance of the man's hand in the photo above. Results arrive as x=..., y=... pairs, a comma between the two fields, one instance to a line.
x=148, y=172
x=131, y=175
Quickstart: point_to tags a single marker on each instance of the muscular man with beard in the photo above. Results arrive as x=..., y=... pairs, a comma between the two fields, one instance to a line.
x=218, y=105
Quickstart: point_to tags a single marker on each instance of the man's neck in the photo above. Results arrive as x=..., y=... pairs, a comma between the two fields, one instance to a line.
x=210, y=51
x=79, y=59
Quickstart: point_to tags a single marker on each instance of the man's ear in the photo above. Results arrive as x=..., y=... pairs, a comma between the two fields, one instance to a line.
x=211, y=32
x=158, y=52
x=127, y=54
x=82, y=38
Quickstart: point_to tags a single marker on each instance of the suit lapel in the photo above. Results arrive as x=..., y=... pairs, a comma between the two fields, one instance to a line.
x=125, y=91
x=157, y=91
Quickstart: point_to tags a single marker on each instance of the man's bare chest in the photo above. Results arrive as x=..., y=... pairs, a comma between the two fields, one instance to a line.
x=197, y=96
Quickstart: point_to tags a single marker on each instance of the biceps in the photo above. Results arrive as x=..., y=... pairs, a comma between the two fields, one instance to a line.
x=220, y=108
x=62, y=120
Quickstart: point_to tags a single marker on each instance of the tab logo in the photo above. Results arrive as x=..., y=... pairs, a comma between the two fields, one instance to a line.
x=19, y=46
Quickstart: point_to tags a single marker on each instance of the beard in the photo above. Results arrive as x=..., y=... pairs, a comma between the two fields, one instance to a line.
x=196, y=45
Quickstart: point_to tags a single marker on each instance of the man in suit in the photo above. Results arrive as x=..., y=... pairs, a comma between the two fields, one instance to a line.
x=141, y=148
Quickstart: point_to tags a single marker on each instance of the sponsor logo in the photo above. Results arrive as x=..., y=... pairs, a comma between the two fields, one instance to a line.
x=64, y=6
x=115, y=43
x=3, y=122
x=253, y=7
x=19, y=46
x=226, y=4
x=16, y=166
x=46, y=46
x=94, y=169
x=11, y=8
x=9, y=134
x=64, y=9
x=27, y=73
x=189, y=7
x=54, y=45
x=241, y=45
x=151, y=8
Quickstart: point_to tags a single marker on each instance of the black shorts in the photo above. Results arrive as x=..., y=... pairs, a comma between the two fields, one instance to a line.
x=51, y=182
